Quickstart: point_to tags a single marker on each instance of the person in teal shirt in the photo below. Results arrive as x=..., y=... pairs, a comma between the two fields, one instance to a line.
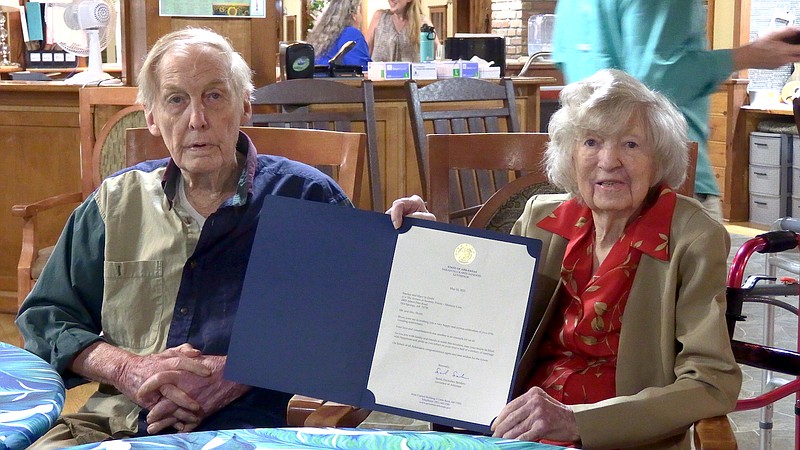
x=663, y=44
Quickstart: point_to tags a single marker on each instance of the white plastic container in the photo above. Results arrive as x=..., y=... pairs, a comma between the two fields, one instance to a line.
x=540, y=33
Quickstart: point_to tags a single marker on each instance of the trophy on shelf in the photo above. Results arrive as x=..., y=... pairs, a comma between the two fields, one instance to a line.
x=6, y=6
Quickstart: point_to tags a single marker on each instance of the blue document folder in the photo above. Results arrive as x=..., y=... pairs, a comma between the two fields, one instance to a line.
x=313, y=297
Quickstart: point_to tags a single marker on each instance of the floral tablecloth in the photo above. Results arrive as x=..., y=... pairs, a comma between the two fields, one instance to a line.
x=318, y=438
x=31, y=397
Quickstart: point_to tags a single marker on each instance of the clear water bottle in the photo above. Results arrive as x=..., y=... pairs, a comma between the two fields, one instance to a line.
x=427, y=35
x=540, y=33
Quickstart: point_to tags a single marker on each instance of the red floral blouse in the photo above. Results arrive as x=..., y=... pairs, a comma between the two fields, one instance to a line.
x=578, y=357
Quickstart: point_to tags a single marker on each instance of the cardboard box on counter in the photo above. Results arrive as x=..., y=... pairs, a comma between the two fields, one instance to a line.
x=456, y=69
x=394, y=70
x=423, y=71
x=489, y=72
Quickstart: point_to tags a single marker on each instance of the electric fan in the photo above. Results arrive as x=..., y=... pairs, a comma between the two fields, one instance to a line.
x=82, y=27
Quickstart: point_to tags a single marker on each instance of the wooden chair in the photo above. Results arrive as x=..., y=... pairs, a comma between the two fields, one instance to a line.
x=345, y=152
x=485, y=155
x=353, y=105
x=505, y=206
x=102, y=153
x=456, y=106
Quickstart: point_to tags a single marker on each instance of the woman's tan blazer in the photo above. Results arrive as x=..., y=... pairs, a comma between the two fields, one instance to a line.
x=675, y=364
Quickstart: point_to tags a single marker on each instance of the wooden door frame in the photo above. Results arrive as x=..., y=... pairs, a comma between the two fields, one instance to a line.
x=441, y=31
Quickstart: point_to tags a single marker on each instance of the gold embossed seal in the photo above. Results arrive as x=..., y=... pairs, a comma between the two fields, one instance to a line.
x=464, y=253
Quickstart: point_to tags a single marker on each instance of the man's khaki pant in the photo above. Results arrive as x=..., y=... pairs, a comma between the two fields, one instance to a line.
x=78, y=429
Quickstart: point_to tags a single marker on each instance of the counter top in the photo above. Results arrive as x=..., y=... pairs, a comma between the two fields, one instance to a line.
x=37, y=86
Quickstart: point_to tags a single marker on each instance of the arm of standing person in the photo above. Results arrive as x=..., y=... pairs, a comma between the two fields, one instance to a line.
x=651, y=29
x=776, y=48
x=668, y=41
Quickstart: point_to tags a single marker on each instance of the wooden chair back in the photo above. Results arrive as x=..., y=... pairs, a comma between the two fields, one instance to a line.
x=503, y=208
x=345, y=152
x=458, y=106
x=347, y=106
x=485, y=155
x=105, y=113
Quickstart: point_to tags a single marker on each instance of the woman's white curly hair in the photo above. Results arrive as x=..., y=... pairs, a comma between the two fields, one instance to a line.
x=602, y=105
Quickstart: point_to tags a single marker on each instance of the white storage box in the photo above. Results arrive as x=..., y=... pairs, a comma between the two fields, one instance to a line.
x=770, y=149
x=488, y=72
x=770, y=180
x=794, y=206
x=794, y=181
x=796, y=151
x=397, y=71
x=388, y=70
x=375, y=70
x=456, y=69
x=765, y=209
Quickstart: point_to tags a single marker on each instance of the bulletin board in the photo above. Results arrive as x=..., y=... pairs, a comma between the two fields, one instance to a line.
x=213, y=8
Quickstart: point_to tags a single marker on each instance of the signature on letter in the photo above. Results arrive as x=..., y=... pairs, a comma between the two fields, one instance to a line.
x=454, y=374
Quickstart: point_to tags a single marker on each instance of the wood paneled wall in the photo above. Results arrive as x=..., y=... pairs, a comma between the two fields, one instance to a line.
x=256, y=38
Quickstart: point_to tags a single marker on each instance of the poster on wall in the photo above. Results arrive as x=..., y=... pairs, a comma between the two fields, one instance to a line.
x=765, y=15
x=243, y=9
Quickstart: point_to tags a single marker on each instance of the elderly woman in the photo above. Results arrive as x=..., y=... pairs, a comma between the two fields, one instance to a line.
x=142, y=288
x=631, y=345
x=337, y=25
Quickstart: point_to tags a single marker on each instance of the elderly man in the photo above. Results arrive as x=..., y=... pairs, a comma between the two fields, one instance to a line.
x=142, y=288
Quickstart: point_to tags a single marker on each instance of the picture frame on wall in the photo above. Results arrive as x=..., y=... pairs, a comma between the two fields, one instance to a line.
x=241, y=9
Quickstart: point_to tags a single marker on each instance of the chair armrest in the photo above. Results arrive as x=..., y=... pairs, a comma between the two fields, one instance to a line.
x=311, y=412
x=31, y=209
x=299, y=408
x=714, y=433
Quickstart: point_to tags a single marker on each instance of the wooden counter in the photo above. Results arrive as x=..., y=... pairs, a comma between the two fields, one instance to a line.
x=537, y=69
x=39, y=130
x=40, y=157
